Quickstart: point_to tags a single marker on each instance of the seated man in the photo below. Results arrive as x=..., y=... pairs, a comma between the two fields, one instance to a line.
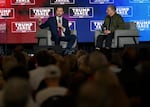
x=113, y=21
x=59, y=28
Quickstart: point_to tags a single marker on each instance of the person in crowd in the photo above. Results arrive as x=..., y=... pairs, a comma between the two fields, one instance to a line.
x=43, y=59
x=16, y=91
x=53, y=91
x=8, y=62
x=112, y=22
x=2, y=82
x=80, y=53
x=116, y=63
x=144, y=84
x=81, y=76
x=59, y=28
x=93, y=94
x=129, y=77
x=97, y=60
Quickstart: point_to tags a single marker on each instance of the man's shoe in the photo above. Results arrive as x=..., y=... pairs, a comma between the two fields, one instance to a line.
x=66, y=52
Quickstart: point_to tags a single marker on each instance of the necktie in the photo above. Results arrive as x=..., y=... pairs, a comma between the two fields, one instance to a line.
x=59, y=29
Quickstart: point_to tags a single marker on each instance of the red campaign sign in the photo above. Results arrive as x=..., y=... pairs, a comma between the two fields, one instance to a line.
x=43, y=12
x=23, y=27
x=2, y=27
x=7, y=13
x=22, y=2
x=2, y=2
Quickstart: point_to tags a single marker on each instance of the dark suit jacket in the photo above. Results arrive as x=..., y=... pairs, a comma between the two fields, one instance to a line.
x=52, y=24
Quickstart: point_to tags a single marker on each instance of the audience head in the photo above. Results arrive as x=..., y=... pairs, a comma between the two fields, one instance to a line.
x=22, y=58
x=130, y=57
x=18, y=72
x=44, y=58
x=70, y=64
x=8, y=62
x=116, y=60
x=60, y=61
x=93, y=94
x=107, y=78
x=2, y=82
x=83, y=64
x=16, y=93
x=97, y=61
x=52, y=75
x=81, y=53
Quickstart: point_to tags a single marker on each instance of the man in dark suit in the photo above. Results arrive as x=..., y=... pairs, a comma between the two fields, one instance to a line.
x=59, y=28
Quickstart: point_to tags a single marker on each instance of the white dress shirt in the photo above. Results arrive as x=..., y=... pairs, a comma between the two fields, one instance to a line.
x=61, y=21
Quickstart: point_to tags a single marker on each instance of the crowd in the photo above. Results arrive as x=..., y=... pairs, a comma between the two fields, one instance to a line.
x=84, y=79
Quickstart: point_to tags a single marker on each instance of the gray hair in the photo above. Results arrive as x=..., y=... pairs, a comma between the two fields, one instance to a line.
x=112, y=7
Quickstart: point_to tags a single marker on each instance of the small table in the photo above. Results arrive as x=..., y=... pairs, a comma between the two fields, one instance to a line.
x=133, y=37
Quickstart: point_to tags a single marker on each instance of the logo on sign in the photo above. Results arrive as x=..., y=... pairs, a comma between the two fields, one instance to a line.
x=41, y=12
x=139, y=1
x=2, y=27
x=8, y=13
x=96, y=25
x=101, y=1
x=72, y=25
x=143, y=24
x=81, y=12
x=125, y=11
x=62, y=1
x=23, y=27
x=23, y=2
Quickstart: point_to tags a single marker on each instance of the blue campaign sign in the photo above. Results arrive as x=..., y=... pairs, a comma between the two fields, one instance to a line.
x=81, y=12
x=139, y=1
x=125, y=11
x=72, y=25
x=101, y=1
x=96, y=25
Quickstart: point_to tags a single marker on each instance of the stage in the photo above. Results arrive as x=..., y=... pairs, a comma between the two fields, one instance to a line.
x=89, y=47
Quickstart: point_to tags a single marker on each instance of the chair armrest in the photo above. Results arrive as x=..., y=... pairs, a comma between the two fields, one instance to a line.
x=126, y=33
x=41, y=33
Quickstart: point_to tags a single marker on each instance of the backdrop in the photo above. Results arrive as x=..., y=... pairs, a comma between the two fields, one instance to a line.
x=18, y=18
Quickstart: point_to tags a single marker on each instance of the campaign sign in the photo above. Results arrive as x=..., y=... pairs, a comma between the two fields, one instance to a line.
x=142, y=24
x=96, y=25
x=2, y=2
x=62, y=1
x=23, y=27
x=72, y=25
x=148, y=10
x=2, y=27
x=139, y=1
x=7, y=13
x=125, y=11
x=44, y=12
x=22, y=2
x=101, y=1
x=81, y=12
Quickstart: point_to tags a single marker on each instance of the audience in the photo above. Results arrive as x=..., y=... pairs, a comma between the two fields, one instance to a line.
x=84, y=79
x=53, y=90
x=44, y=59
